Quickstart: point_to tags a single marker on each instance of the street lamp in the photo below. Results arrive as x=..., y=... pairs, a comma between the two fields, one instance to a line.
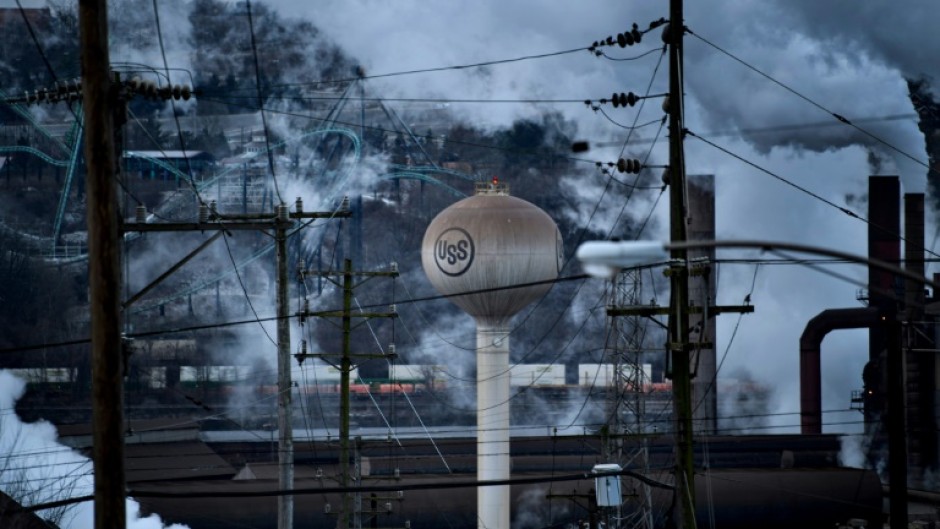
x=606, y=258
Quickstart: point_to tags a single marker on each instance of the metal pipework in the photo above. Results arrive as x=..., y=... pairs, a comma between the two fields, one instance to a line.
x=810, y=346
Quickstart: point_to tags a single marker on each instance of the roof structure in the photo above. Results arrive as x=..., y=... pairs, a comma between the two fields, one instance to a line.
x=14, y=516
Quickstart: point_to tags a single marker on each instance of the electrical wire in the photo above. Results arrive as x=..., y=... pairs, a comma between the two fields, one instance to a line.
x=264, y=122
x=604, y=113
x=838, y=117
x=434, y=69
x=42, y=54
x=159, y=148
x=307, y=336
x=311, y=117
x=798, y=187
x=734, y=333
x=32, y=35
x=409, y=300
x=768, y=172
x=33, y=453
x=596, y=207
x=633, y=58
x=586, y=476
x=646, y=94
x=410, y=403
x=438, y=100
x=228, y=250
x=176, y=119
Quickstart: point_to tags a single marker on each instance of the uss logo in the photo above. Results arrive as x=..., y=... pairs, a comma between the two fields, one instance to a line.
x=453, y=251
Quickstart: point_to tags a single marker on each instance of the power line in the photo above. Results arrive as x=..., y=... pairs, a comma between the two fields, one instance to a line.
x=234, y=323
x=311, y=117
x=633, y=58
x=32, y=454
x=264, y=121
x=410, y=300
x=585, y=476
x=838, y=117
x=734, y=333
x=800, y=188
x=32, y=35
x=176, y=119
x=241, y=283
x=436, y=69
x=790, y=183
x=222, y=97
x=592, y=48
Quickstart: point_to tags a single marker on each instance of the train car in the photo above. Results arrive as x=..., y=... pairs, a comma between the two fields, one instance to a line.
x=222, y=378
x=318, y=374
x=45, y=375
x=537, y=375
x=432, y=375
x=605, y=375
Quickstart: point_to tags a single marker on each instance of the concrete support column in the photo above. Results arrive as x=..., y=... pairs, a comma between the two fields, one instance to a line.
x=493, y=425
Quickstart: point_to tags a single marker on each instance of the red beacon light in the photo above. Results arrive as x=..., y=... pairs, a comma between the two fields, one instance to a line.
x=491, y=187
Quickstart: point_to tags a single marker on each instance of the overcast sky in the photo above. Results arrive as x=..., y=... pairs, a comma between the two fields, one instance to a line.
x=849, y=57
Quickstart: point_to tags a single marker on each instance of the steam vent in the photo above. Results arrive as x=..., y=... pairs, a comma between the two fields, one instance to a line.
x=485, y=244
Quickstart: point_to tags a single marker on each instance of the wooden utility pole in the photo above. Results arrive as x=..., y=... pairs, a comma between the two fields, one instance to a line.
x=283, y=219
x=678, y=339
x=348, y=284
x=285, y=445
x=104, y=267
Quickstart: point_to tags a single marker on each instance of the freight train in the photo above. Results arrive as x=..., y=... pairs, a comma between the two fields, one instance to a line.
x=325, y=379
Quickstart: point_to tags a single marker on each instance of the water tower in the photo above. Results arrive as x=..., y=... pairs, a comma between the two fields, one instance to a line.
x=486, y=245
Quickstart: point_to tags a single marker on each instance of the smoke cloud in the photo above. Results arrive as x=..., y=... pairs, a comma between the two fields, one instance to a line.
x=36, y=468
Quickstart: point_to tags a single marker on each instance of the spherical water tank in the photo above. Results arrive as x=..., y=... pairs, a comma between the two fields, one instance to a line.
x=487, y=242
x=494, y=254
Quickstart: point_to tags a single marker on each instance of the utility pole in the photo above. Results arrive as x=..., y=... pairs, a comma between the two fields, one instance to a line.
x=678, y=335
x=285, y=444
x=283, y=220
x=104, y=267
x=347, y=283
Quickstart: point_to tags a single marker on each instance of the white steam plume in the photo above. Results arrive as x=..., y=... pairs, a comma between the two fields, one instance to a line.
x=36, y=468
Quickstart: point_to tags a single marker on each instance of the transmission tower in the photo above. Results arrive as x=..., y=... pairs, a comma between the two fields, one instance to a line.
x=626, y=397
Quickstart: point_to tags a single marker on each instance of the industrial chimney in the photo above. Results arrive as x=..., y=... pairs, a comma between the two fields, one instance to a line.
x=482, y=247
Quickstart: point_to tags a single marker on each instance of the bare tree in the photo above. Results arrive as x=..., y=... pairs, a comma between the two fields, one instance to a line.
x=33, y=473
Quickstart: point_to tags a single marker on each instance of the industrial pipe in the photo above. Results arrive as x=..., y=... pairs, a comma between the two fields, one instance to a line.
x=810, y=346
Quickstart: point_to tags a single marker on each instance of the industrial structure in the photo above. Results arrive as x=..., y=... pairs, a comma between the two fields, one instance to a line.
x=888, y=299
x=492, y=255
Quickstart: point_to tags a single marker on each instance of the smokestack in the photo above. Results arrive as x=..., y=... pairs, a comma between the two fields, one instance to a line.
x=884, y=244
x=914, y=253
x=810, y=349
x=920, y=366
x=701, y=196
